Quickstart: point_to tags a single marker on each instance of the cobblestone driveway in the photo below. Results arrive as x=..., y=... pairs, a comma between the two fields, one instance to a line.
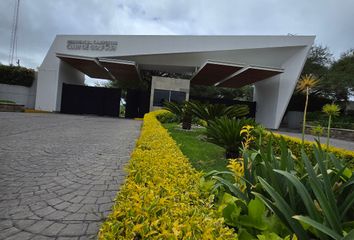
x=60, y=173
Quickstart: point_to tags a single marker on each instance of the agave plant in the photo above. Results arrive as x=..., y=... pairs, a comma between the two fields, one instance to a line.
x=315, y=203
x=209, y=112
x=324, y=198
x=304, y=86
x=226, y=132
x=331, y=110
x=182, y=111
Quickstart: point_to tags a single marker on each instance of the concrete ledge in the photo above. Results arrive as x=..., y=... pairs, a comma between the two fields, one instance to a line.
x=339, y=133
x=12, y=108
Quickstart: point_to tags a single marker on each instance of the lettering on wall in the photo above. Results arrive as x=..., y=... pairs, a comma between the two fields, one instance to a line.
x=88, y=45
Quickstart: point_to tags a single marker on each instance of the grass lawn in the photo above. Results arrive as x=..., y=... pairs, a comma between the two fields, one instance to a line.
x=203, y=155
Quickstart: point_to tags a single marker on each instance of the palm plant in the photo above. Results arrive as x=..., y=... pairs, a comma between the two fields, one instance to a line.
x=209, y=112
x=182, y=111
x=331, y=110
x=304, y=86
x=226, y=132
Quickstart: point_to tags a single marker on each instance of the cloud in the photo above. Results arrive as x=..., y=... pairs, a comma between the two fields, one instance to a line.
x=40, y=20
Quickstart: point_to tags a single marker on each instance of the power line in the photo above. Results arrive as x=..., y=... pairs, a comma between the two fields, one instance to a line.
x=13, y=42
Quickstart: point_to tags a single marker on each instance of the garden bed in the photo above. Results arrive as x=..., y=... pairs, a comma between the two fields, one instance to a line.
x=161, y=198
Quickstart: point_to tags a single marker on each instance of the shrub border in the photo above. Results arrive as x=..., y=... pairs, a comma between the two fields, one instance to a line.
x=295, y=146
x=161, y=197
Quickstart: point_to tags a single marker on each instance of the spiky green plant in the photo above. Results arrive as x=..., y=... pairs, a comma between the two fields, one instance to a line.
x=226, y=132
x=209, y=112
x=324, y=198
x=182, y=111
x=306, y=83
x=331, y=110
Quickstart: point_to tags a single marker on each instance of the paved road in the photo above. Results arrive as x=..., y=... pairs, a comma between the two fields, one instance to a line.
x=349, y=145
x=59, y=174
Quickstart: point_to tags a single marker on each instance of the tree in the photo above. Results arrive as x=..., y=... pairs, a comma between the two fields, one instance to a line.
x=244, y=93
x=318, y=61
x=339, y=83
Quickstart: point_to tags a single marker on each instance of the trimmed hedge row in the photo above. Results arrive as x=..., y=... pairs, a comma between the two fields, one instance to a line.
x=294, y=144
x=161, y=198
x=15, y=75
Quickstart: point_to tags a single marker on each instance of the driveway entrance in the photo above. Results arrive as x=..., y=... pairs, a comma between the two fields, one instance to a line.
x=59, y=173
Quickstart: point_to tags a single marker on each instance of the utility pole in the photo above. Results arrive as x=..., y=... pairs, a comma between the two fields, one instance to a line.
x=13, y=42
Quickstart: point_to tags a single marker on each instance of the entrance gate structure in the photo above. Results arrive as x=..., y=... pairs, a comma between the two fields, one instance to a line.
x=272, y=63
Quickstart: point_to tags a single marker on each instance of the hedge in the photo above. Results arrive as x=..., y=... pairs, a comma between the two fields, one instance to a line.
x=294, y=144
x=161, y=198
x=15, y=75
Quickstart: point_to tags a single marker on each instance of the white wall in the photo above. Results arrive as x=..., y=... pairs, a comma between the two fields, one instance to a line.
x=70, y=75
x=19, y=94
x=273, y=95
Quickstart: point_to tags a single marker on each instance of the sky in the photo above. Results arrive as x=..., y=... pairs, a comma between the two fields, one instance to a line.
x=332, y=21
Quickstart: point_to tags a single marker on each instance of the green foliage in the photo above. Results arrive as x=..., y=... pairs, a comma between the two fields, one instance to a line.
x=318, y=61
x=167, y=117
x=320, y=118
x=225, y=132
x=311, y=200
x=2, y=101
x=294, y=145
x=14, y=75
x=182, y=111
x=244, y=93
x=336, y=82
x=340, y=79
x=324, y=197
x=209, y=112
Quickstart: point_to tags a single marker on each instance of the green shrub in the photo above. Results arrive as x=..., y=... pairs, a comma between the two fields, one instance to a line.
x=226, y=133
x=167, y=117
x=6, y=102
x=14, y=75
x=342, y=121
x=317, y=202
x=161, y=197
x=294, y=145
x=319, y=195
x=209, y=112
x=182, y=111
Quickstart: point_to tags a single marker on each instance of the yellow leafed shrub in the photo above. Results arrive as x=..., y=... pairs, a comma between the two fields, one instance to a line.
x=161, y=198
x=294, y=145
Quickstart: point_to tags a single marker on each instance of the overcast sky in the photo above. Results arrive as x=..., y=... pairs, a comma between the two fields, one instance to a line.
x=332, y=21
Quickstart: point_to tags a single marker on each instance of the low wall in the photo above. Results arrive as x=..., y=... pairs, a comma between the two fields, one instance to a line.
x=345, y=134
x=19, y=94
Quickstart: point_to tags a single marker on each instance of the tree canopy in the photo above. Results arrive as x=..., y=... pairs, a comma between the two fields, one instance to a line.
x=336, y=76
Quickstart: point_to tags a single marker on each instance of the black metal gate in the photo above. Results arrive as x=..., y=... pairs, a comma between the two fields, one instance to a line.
x=77, y=99
x=137, y=103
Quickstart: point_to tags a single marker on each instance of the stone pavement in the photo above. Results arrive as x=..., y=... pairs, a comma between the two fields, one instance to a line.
x=59, y=173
